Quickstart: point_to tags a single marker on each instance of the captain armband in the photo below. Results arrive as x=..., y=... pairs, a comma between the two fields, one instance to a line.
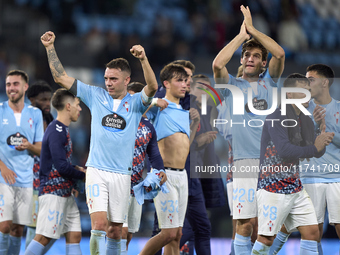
x=147, y=100
x=73, y=88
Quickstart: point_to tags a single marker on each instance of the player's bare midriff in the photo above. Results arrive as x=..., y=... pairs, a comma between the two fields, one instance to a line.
x=174, y=150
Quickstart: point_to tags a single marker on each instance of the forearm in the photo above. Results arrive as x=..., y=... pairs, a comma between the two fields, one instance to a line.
x=66, y=170
x=273, y=47
x=193, y=130
x=58, y=72
x=149, y=77
x=35, y=148
x=224, y=56
x=2, y=165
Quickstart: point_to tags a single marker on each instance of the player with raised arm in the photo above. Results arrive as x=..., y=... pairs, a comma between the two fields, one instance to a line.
x=281, y=198
x=146, y=144
x=58, y=210
x=246, y=139
x=115, y=117
x=173, y=131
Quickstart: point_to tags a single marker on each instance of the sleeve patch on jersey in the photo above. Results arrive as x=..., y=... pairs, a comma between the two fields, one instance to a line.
x=59, y=128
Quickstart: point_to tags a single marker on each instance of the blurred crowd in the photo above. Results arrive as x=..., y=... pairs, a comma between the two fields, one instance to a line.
x=172, y=29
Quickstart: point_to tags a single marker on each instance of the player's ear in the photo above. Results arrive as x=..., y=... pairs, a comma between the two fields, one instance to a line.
x=127, y=80
x=166, y=84
x=68, y=106
x=325, y=83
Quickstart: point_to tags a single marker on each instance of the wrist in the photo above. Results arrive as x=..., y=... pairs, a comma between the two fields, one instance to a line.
x=49, y=47
x=143, y=59
x=251, y=29
x=154, y=101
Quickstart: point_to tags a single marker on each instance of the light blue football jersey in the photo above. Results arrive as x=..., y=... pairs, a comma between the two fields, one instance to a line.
x=11, y=135
x=246, y=129
x=113, y=133
x=326, y=168
x=171, y=120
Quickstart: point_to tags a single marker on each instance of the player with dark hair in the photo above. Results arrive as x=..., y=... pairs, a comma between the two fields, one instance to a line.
x=173, y=132
x=320, y=176
x=146, y=144
x=246, y=139
x=185, y=101
x=324, y=186
x=115, y=116
x=21, y=136
x=281, y=198
x=58, y=210
x=203, y=192
x=39, y=93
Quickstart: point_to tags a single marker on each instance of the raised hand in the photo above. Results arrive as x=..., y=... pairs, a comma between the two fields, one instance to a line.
x=138, y=52
x=243, y=31
x=248, y=21
x=324, y=139
x=319, y=114
x=48, y=39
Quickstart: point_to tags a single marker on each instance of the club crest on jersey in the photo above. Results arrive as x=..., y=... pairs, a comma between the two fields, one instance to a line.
x=262, y=83
x=30, y=121
x=4, y=121
x=54, y=228
x=113, y=122
x=270, y=224
x=170, y=217
x=336, y=117
x=239, y=207
x=90, y=203
x=15, y=140
x=126, y=105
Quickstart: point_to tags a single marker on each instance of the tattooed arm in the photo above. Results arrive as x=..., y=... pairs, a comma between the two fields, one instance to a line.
x=57, y=69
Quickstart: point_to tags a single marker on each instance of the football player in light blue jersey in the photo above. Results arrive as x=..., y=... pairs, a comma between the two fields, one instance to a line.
x=321, y=176
x=246, y=139
x=115, y=118
x=173, y=132
x=21, y=136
